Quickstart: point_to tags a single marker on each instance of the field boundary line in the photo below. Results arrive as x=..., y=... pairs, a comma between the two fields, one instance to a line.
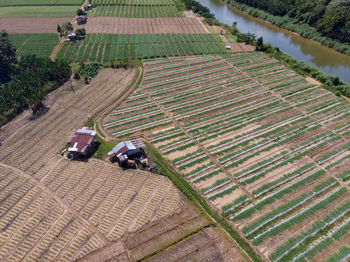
x=129, y=90
x=194, y=196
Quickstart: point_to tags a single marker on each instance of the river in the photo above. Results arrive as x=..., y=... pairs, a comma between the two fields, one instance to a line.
x=325, y=59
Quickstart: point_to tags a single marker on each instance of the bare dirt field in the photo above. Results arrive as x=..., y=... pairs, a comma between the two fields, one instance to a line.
x=31, y=25
x=184, y=235
x=56, y=209
x=118, y=25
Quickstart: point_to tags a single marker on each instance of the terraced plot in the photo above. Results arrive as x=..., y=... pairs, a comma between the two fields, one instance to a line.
x=56, y=209
x=103, y=47
x=264, y=146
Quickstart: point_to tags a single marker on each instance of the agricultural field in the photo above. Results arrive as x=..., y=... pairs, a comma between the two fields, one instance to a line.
x=105, y=47
x=38, y=11
x=183, y=235
x=135, y=8
x=40, y=2
x=265, y=147
x=34, y=44
x=120, y=25
x=56, y=209
x=31, y=25
x=136, y=11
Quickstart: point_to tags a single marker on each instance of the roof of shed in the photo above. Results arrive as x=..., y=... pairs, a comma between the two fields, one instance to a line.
x=81, y=139
x=125, y=146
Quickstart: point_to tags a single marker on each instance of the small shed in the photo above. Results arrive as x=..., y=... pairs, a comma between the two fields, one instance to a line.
x=71, y=36
x=81, y=19
x=87, y=7
x=126, y=153
x=228, y=47
x=82, y=142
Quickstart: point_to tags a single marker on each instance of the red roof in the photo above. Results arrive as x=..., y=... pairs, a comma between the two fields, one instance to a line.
x=81, y=140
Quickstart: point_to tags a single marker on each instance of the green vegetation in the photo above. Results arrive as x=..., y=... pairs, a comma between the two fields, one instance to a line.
x=193, y=195
x=38, y=11
x=26, y=82
x=33, y=44
x=136, y=11
x=104, y=48
x=327, y=22
x=39, y=2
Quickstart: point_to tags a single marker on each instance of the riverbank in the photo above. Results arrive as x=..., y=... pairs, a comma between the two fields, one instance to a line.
x=331, y=83
x=293, y=25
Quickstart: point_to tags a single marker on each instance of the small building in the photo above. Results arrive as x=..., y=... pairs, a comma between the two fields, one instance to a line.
x=228, y=47
x=82, y=142
x=81, y=19
x=128, y=153
x=87, y=7
x=72, y=36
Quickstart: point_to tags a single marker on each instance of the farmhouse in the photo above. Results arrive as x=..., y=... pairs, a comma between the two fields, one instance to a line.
x=81, y=19
x=127, y=153
x=81, y=142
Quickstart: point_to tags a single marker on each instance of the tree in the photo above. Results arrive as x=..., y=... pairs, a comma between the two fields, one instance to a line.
x=80, y=33
x=66, y=28
x=7, y=58
x=35, y=100
x=260, y=44
x=59, y=30
x=81, y=12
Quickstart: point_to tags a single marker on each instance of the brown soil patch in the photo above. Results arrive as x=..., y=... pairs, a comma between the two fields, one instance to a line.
x=227, y=199
x=206, y=243
x=313, y=81
x=210, y=181
x=119, y=25
x=31, y=25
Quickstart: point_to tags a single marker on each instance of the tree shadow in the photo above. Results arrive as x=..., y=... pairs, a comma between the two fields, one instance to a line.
x=42, y=111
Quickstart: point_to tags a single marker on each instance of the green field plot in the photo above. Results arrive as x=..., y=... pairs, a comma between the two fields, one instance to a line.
x=39, y=2
x=136, y=11
x=103, y=47
x=38, y=11
x=34, y=44
x=264, y=146
x=133, y=2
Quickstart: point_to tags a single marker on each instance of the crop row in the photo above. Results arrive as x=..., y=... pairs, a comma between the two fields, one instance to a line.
x=34, y=44
x=317, y=227
x=106, y=47
x=136, y=11
x=289, y=207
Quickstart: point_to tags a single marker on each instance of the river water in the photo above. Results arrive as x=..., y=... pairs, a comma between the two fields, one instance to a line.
x=327, y=60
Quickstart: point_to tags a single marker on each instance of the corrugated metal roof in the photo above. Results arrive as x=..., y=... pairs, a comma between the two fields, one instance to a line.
x=124, y=146
x=81, y=139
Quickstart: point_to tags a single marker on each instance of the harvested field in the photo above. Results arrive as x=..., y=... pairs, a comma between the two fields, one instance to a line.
x=184, y=235
x=106, y=47
x=120, y=25
x=263, y=145
x=31, y=25
x=56, y=209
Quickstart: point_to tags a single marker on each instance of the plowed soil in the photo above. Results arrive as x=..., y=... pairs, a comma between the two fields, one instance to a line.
x=31, y=25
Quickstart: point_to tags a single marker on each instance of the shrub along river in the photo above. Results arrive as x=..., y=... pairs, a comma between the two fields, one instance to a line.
x=325, y=59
